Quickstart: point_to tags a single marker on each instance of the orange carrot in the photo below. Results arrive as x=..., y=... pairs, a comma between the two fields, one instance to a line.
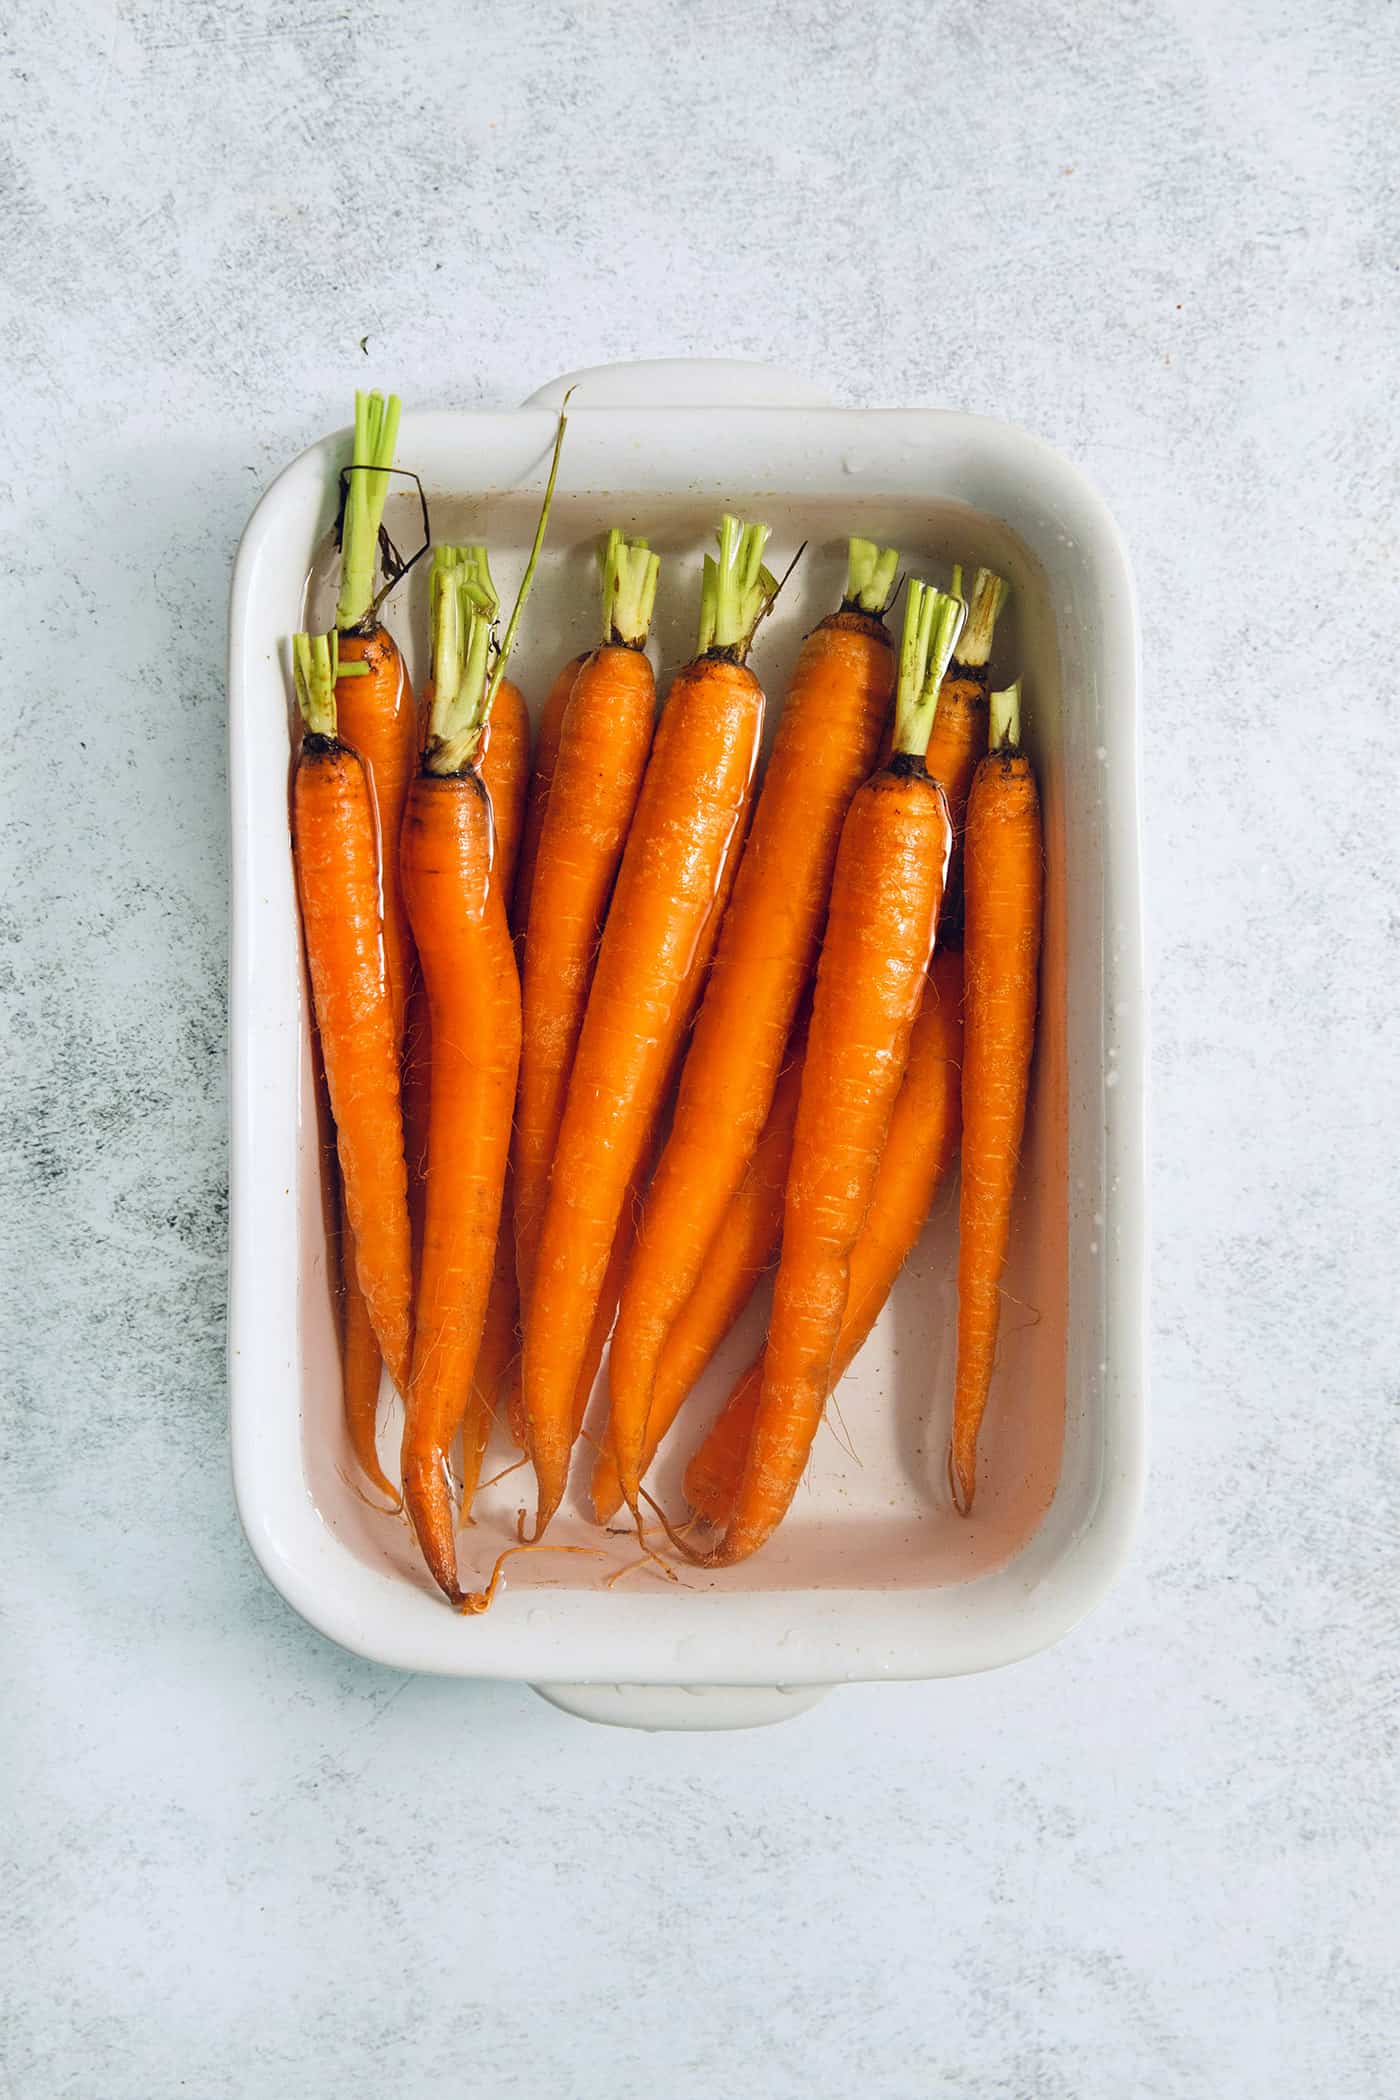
x=335, y=840
x=879, y=935
x=604, y=740
x=741, y=1250
x=827, y=740
x=1004, y=877
x=504, y=766
x=456, y=902
x=689, y=817
x=376, y=717
x=541, y=780
x=503, y=763
x=919, y=1149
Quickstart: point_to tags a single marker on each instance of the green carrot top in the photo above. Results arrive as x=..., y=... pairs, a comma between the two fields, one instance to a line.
x=316, y=670
x=736, y=591
x=933, y=620
x=989, y=595
x=870, y=577
x=1004, y=719
x=629, y=572
x=376, y=434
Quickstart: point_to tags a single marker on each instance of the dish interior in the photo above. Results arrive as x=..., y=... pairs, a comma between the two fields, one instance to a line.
x=874, y=1510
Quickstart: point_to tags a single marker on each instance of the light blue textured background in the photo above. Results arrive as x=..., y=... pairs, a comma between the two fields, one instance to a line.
x=1160, y=1861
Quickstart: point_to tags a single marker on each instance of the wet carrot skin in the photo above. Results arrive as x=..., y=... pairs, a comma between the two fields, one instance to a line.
x=459, y=920
x=743, y=1248
x=1004, y=886
x=377, y=716
x=604, y=740
x=920, y=1147
x=662, y=923
x=335, y=834
x=828, y=736
x=884, y=907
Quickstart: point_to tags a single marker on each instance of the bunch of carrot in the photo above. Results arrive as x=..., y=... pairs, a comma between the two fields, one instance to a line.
x=514, y=972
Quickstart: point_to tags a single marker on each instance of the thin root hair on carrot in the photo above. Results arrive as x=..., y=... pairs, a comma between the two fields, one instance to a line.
x=477, y=1601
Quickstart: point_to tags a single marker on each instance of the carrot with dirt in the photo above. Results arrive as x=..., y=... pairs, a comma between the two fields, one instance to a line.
x=885, y=896
x=661, y=925
x=503, y=763
x=604, y=742
x=457, y=906
x=920, y=1147
x=1003, y=874
x=335, y=840
x=376, y=717
x=827, y=742
x=745, y=1245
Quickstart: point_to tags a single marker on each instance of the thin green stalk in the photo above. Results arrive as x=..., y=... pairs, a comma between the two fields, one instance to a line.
x=630, y=570
x=870, y=577
x=736, y=590
x=933, y=621
x=1004, y=718
x=376, y=434
x=989, y=595
x=528, y=578
x=464, y=606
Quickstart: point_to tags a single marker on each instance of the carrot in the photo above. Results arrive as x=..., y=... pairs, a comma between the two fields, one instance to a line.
x=919, y=1149
x=689, y=821
x=503, y=763
x=604, y=740
x=885, y=895
x=826, y=745
x=742, y=1249
x=336, y=846
x=1004, y=880
x=376, y=716
x=457, y=906
x=541, y=780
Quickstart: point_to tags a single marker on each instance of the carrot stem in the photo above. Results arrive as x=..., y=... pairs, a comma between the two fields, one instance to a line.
x=630, y=570
x=528, y=578
x=870, y=575
x=1004, y=718
x=933, y=620
x=736, y=591
x=376, y=434
x=316, y=667
x=989, y=595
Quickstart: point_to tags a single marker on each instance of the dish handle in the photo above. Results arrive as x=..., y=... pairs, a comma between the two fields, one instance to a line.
x=683, y=382
x=676, y=1706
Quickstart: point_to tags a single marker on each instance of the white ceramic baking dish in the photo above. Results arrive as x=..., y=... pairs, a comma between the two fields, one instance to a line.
x=873, y=1575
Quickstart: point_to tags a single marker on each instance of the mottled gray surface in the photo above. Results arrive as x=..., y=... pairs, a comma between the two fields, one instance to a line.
x=1160, y=1861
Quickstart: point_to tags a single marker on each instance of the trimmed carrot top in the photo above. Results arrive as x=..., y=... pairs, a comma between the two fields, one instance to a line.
x=736, y=591
x=630, y=570
x=870, y=577
x=933, y=620
x=316, y=668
